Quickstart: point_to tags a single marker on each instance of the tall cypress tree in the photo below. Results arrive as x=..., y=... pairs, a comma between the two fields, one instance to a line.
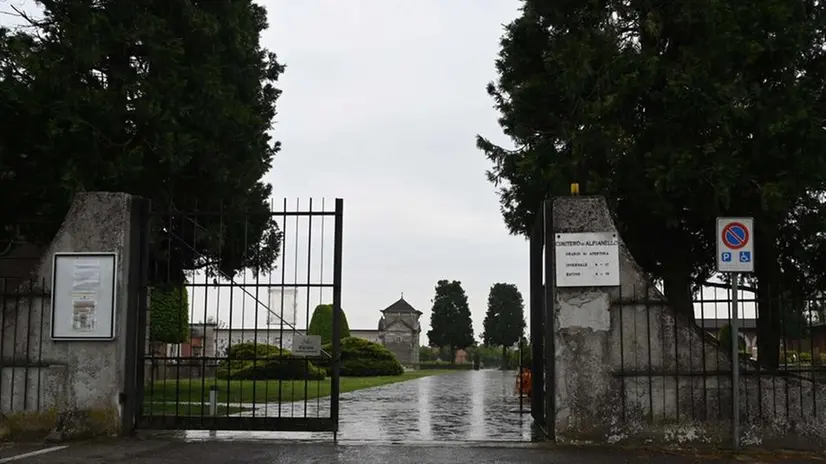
x=505, y=320
x=450, y=322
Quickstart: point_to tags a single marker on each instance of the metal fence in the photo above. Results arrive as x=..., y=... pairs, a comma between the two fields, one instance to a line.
x=24, y=320
x=229, y=292
x=675, y=366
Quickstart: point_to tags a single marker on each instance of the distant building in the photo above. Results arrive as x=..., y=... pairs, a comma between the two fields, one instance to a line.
x=209, y=340
x=399, y=330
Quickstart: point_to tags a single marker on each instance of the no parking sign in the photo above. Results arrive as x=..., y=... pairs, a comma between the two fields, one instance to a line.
x=735, y=244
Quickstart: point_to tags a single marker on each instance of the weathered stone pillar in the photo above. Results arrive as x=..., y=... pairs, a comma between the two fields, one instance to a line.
x=83, y=381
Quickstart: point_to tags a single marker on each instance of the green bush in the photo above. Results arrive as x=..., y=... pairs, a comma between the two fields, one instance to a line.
x=322, y=324
x=805, y=357
x=426, y=353
x=247, y=361
x=249, y=351
x=280, y=369
x=363, y=358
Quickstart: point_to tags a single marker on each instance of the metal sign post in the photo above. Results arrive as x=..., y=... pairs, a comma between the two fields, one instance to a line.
x=734, y=239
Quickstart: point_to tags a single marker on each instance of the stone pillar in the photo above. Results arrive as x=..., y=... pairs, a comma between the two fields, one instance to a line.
x=83, y=381
x=587, y=396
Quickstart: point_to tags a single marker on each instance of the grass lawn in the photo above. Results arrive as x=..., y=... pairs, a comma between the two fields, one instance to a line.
x=187, y=409
x=264, y=391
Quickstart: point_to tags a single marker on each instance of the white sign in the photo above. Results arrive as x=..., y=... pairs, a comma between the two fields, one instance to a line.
x=307, y=345
x=587, y=259
x=735, y=244
x=83, y=296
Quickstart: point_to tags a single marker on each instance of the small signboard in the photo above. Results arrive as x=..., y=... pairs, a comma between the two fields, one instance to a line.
x=307, y=345
x=587, y=259
x=83, y=296
x=735, y=244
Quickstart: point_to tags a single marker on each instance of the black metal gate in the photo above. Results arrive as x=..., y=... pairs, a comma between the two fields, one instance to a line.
x=228, y=298
x=541, y=318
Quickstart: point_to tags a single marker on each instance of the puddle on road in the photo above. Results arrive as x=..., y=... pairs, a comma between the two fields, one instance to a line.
x=467, y=406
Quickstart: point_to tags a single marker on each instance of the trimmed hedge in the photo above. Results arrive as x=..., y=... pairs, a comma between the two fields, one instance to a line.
x=322, y=324
x=363, y=358
x=169, y=314
x=253, y=351
x=250, y=361
x=280, y=369
x=445, y=366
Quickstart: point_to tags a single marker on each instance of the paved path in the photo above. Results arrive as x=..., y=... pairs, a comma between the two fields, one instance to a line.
x=159, y=451
x=460, y=406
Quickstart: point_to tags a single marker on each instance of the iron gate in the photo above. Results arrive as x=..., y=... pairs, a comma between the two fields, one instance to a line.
x=541, y=318
x=229, y=294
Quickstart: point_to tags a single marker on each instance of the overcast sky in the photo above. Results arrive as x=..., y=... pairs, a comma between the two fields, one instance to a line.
x=382, y=101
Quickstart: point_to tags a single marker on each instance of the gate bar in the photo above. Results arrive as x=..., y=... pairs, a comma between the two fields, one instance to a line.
x=334, y=380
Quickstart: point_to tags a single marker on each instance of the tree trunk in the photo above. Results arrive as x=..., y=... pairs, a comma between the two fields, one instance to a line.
x=767, y=271
x=677, y=286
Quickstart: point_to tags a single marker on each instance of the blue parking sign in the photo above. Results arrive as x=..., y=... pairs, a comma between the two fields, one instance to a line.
x=726, y=257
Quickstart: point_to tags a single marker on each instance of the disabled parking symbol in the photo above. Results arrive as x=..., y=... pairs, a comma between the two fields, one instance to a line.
x=745, y=256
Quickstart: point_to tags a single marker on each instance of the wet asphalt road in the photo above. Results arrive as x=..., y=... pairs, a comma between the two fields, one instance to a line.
x=463, y=417
x=156, y=451
x=463, y=406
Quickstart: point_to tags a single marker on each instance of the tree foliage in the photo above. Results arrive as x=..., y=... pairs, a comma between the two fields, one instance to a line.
x=676, y=112
x=505, y=320
x=169, y=314
x=322, y=324
x=450, y=322
x=172, y=100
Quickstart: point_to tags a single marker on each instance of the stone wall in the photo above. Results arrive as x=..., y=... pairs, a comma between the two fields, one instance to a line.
x=629, y=369
x=57, y=376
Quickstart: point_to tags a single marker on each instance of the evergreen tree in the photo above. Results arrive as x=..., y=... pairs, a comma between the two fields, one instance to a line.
x=505, y=320
x=450, y=322
x=676, y=112
x=172, y=100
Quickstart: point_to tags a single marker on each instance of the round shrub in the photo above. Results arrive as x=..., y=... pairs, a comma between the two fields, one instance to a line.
x=363, y=358
x=322, y=324
x=248, y=361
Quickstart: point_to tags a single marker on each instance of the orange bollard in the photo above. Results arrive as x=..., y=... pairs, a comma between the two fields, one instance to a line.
x=526, y=382
x=523, y=382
